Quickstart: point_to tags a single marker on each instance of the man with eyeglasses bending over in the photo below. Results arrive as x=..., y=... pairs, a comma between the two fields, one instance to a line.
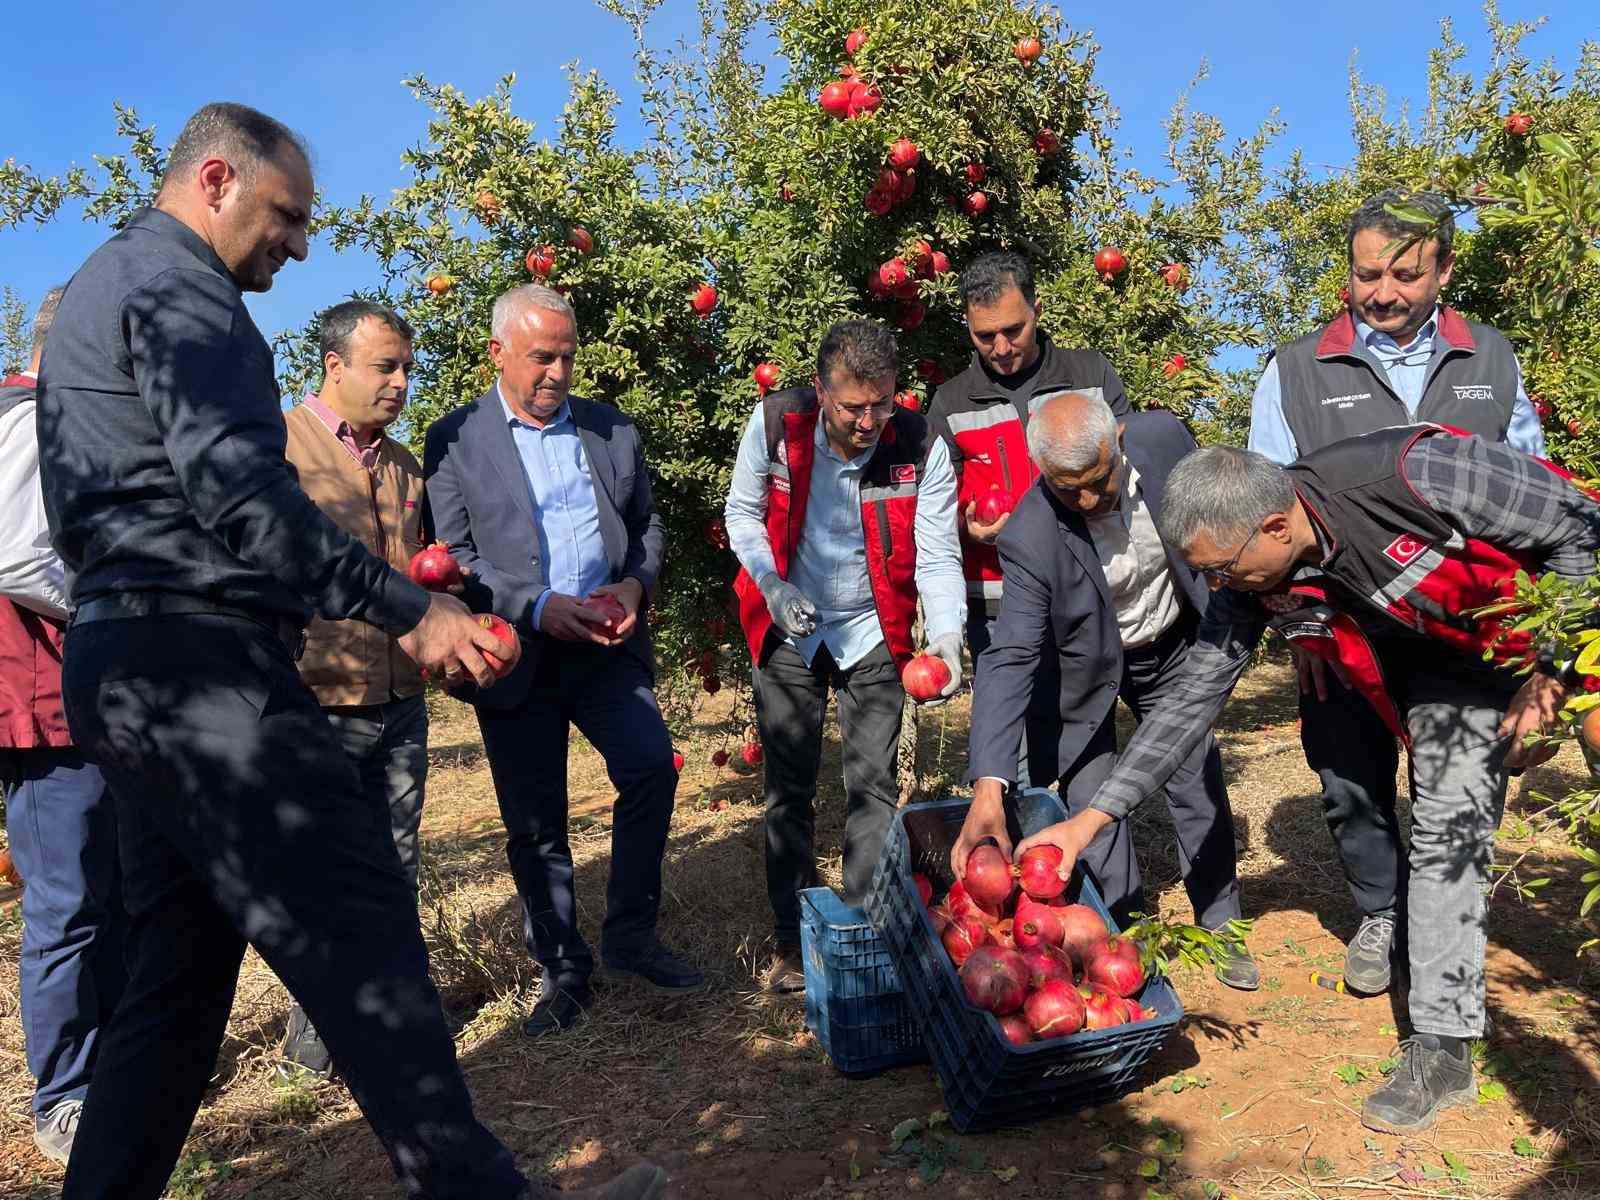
x=1405, y=533
x=842, y=512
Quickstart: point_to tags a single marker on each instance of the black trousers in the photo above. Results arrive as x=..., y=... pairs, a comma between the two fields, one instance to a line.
x=242, y=819
x=791, y=699
x=1197, y=798
x=608, y=694
x=1355, y=756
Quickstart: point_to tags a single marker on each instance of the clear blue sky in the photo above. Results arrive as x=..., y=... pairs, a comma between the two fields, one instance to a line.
x=335, y=75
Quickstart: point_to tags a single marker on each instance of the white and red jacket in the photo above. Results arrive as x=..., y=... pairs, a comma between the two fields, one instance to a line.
x=889, y=491
x=988, y=440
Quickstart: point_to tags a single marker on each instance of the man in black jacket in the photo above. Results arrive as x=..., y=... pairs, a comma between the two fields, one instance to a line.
x=198, y=561
x=1089, y=582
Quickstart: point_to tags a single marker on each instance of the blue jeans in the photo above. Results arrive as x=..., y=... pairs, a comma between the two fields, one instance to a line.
x=63, y=836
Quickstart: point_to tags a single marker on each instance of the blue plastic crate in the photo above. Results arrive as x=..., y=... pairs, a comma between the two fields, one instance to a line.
x=988, y=1082
x=854, y=1002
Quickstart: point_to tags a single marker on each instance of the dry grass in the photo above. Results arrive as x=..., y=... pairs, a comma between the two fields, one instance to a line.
x=731, y=1093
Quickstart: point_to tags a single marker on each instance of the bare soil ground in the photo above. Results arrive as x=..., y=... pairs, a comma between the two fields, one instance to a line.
x=1255, y=1095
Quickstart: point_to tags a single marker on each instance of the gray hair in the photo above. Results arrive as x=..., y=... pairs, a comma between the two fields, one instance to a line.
x=519, y=300
x=1224, y=492
x=46, y=316
x=1374, y=214
x=1057, y=445
x=862, y=349
x=236, y=132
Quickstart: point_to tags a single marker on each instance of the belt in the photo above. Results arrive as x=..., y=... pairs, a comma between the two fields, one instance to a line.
x=128, y=605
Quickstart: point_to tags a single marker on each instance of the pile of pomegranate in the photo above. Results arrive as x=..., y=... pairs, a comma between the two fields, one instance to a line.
x=1045, y=968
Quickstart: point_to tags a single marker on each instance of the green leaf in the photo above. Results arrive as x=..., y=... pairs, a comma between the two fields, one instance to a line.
x=1149, y=1169
x=930, y=1169
x=1005, y=1174
x=903, y=1130
x=1350, y=1073
x=1524, y=1148
x=1210, y=1190
x=1588, y=659
x=1489, y=1092
x=1458, y=1169
x=1557, y=144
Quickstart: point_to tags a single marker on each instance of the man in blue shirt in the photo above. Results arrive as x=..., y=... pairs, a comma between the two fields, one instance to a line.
x=1396, y=357
x=842, y=512
x=544, y=498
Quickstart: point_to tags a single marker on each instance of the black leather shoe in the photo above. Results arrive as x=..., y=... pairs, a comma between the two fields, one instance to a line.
x=1429, y=1079
x=657, y=967
x=558, y=1011
x=303, y=1050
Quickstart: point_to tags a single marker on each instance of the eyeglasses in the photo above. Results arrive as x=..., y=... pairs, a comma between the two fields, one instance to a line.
x=882, y=410
x=1225, y=571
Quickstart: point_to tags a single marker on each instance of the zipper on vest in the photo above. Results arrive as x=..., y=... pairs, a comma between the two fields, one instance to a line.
x=885, y=538
x=1005, y=463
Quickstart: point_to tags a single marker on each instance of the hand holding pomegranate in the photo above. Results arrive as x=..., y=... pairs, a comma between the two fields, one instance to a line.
x=976, y=529
x=450, y=643
x=986, y=821
x=626, y=595
x=571, y=620
x=1071, y=837
x=945, y=649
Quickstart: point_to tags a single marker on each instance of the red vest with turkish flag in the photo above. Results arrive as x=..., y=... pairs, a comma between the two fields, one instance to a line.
x=1392, y=555
x=31, y=717
x=889, y=488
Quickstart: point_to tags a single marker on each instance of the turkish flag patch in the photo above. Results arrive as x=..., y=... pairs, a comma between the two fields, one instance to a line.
x=1405, y=548
x=904, y=473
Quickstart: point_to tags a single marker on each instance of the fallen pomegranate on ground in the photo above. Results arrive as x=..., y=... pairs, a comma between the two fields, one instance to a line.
x=434, y=568
x=751, y=754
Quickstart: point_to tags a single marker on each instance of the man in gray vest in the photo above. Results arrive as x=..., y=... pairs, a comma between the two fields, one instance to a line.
x=1395, y=357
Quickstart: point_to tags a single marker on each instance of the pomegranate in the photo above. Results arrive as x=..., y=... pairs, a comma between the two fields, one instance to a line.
x=864, y=100
x=505, y=633
x=995, y=979
x=1518, y=124
x=712, y=685
x=677, y=760
x=962, y=937
x=878, y=203
x=717, y=533
x=925, y=677
x=751, y=754
x=1081, y=928
x=1110, y=262
x=1003, y=933
x=909, y=290
x=1102, y=1010
x=992, y=505
x=1037, y=924
x=541, y=260
x=930, y=371
x=703, y=300
x=1113, y=964
x=1015, y=1029
x=976, y=173
x=1027, y=50
x=975, y=204
x=1174, y=365
x=1046, y=142
x=835, y=98
x=1541, y=409
x=1045, y=963
x=893, y=273
x=609, y=607
x=1132, y=1011
x=440, y=284
x=434, y=568
x=1574, y=428
x=960, y=903
x=1590, y=729
x=854, y=40
x=1176, y=275
x=766, y=376
x=904, y=154
x=939, y=262
x=719, y=759
x=487, y=204
x=988, y=878
x=940, y=915
x=1038, y=871
x=1054, y=1010
x=924, y=887
x=911, y=314
x=908, y=400
x=905, y=186
x=580, y=239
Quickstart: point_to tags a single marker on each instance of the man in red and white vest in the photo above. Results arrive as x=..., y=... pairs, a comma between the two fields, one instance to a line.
x=982, y=415
x=1406, y=534
x=842, y=512
x=59, y=819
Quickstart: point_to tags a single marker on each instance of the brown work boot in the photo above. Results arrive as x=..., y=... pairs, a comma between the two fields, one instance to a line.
x=785, y=973
x=642, y=1182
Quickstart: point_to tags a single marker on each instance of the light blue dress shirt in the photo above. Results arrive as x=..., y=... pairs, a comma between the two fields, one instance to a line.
x=565, y=512
x=830, y=562
x=1407, y=370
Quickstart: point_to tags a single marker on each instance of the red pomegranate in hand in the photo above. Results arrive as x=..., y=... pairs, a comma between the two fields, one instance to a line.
x=677, y=760
x=1114, y=965
x=434, y=568
x=995, y=979
x=1054, y=1010
x=925, y=677
x=992, y=505
x=502, y=631
x=988, y=878
x=1038, y=871
x=609, y=607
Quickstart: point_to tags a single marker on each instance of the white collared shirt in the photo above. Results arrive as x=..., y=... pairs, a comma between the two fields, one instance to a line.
x=1136, y=567
x=31, y=572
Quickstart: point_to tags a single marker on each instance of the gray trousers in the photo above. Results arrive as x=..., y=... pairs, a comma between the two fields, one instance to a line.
x=791, y=699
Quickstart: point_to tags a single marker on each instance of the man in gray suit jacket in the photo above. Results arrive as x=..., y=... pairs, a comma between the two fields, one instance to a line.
x=1087, y=577
x=544, y=499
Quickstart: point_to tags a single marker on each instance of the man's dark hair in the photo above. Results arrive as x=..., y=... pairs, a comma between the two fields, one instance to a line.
x=1374, y=214
x=987, y=279
x=235, y=132
x=46, y=316
x=338, y=324
x=858, y=348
